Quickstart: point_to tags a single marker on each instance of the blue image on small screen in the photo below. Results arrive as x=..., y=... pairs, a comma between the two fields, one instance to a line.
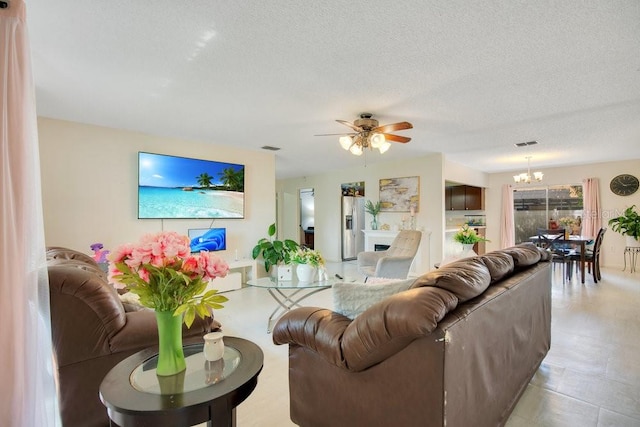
x=208, y=239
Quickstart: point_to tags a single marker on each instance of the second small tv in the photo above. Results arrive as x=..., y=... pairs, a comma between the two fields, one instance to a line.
x=208, y=239
x=184, y=188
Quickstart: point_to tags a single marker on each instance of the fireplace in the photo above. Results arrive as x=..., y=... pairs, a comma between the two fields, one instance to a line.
x=380, y=247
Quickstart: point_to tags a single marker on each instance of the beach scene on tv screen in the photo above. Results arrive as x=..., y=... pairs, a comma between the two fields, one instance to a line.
x=180, y=187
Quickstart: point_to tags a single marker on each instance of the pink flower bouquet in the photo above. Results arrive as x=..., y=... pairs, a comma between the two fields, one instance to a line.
x=161, y=270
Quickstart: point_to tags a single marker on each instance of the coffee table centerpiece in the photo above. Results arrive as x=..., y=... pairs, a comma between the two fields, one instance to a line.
x=307, y=262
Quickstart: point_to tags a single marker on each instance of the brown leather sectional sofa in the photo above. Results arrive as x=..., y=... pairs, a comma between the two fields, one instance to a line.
x=93, y=331
x=457, y=349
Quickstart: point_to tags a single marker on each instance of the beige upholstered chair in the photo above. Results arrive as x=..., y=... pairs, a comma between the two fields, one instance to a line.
x=395, y=262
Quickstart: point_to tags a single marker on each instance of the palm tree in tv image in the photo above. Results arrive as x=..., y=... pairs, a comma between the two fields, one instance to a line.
x=204, y=180
x=232, y=179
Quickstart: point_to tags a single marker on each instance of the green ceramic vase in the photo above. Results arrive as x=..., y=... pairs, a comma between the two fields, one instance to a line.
x=170, y=353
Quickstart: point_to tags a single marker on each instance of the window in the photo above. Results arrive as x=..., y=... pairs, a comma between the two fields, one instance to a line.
x=558, y=206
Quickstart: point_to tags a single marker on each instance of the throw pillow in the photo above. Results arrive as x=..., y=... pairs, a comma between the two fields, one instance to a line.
x=351, y=299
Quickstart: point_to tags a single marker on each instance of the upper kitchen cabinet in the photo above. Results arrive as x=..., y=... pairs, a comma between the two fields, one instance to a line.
x=464, y=197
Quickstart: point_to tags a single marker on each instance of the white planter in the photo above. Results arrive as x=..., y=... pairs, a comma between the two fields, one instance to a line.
x=467, y=250
x=282, y=272
x=305, y=272
x=632, y=242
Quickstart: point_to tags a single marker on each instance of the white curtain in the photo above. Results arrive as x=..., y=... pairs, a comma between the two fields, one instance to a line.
x=592, y=212
x=27, y=375
x=507, y=225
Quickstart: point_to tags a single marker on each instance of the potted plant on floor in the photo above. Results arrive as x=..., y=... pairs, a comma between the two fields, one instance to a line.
x=628, y=224
x=275, y=253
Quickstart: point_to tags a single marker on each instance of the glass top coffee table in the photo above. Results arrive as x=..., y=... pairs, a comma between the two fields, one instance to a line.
x=205, y=392
x=288, y=293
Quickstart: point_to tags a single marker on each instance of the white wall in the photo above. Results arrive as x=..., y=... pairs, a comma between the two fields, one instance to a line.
x=461, y=174
x=89, y=185
x=328, y=201
x=612, y=205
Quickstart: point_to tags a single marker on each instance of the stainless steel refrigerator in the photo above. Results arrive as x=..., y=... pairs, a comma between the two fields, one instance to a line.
x=352, y=226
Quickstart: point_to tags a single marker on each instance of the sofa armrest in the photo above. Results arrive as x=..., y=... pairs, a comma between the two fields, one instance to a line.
x=377, y=334
x=392, y=324
x=318, y=329
x=139, y=332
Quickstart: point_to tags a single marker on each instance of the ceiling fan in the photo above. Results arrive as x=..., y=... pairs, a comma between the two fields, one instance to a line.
x=369, y=134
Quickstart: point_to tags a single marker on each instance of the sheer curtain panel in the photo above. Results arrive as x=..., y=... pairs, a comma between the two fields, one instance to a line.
x=26, y=375
x=592, y=213
x=507, y=226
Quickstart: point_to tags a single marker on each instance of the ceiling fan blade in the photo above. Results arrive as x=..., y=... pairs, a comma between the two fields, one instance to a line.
x=336, y=134
x=393, y=127
x=396, y=138
x=351, y=125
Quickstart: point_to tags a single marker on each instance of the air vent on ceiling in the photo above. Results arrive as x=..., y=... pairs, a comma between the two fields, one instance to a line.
x=524, y=144
x=270, y=148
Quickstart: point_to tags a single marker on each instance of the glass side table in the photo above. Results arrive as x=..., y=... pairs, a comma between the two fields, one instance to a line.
x=205, y=392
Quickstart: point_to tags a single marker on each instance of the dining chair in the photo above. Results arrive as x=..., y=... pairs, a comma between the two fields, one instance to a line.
x=553, y=244
x=592, y=257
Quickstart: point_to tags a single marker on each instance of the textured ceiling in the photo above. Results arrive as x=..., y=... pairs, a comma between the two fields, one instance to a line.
x=474, y=77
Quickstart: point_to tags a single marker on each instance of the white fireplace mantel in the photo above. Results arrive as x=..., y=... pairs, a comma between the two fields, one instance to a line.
x=378, y=237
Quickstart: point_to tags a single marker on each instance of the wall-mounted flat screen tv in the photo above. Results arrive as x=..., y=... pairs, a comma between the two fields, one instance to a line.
x=208, y=239
x=179, y=187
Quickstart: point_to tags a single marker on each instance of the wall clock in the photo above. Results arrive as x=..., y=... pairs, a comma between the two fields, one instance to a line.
x=624, y=185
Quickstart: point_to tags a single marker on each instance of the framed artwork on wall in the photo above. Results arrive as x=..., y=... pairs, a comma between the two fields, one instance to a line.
x=353, y=189
x=400, y=194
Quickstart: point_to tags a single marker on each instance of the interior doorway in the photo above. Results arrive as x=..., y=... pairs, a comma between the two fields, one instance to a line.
x=307, y=217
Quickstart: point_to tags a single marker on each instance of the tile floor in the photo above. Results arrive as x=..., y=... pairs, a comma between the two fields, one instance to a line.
x=590, y=377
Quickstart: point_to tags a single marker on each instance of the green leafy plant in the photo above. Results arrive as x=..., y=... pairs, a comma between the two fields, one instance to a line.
x=468, y=236
x=306, y=256
x=627, y=224
x=274, y=251
x=372, y=208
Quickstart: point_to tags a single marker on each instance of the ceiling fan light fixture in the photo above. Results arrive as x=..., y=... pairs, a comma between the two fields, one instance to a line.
x=345, y=142
x=384, y=147
x=366, y=132
x=377, y=140
x=356, y=150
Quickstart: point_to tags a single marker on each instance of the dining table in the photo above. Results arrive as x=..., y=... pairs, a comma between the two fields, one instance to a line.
x=580, y=240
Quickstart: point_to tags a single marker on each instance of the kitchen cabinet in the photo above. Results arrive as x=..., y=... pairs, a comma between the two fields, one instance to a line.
x=481, y=247
x=464, y=197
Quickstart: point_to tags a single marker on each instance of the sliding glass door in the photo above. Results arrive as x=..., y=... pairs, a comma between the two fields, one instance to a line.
x=558, y=206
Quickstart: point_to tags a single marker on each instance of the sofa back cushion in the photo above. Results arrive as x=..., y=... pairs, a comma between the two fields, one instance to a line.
x=523, y=255
x=500, y=265
x=466, y=278
x=392, y=324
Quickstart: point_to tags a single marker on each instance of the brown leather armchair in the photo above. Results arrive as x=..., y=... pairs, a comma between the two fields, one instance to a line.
x=93, y=331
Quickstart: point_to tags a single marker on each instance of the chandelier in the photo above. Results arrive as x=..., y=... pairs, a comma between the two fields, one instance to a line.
x=526, y=177
x=357, y=143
